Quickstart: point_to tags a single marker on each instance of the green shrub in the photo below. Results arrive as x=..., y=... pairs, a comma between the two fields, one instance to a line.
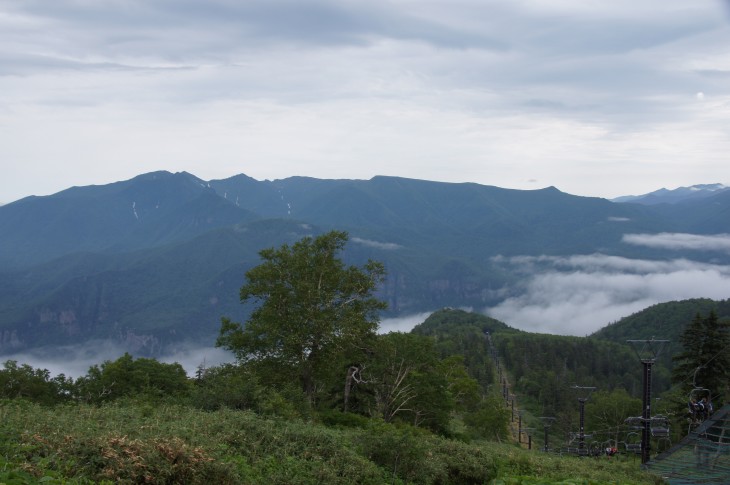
x=404, y=452
x=336, y=418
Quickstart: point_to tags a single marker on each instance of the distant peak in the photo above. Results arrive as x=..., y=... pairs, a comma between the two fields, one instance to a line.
x=153, y=175
x=672, y=196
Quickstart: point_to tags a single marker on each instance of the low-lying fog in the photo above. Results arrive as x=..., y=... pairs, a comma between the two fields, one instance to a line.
x=571, y=295
x=75, y=360
x=577, y=295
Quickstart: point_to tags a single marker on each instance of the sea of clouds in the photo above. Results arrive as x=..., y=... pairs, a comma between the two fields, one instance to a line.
x=577, y=295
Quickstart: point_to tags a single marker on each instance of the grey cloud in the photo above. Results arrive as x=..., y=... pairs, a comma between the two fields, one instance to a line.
x=567, y=63
x=402, y=324
x=716, y=242
x=191, y=356
x=601, y=263
x=259, y=21
x=376, y=244
x=14, y=65
x=487, y=25
x=612, y=36
x=721, y=74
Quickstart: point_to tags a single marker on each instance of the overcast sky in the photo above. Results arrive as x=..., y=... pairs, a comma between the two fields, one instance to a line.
x=595, y=97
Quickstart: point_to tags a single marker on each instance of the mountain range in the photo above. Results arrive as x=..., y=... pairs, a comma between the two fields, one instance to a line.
x=159, y=258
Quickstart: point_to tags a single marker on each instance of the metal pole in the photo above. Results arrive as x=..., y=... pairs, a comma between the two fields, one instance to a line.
x=585, y=394
x=647, y=351
x=646, y=415
x=519, y=429
x=581, y=435
x=547, y=421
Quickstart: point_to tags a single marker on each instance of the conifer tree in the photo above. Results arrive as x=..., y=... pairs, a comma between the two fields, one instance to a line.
x=705, y=359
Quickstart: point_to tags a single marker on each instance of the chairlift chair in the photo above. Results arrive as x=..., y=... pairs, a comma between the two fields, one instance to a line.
x=695, y=396
x=633, y=446
x=659, y=427
x=635, y=422
x=698, y=393
x=595, y=448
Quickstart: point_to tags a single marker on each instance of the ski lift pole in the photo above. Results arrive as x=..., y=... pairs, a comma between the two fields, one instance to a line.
x=547, y=421
x=646, y=413
x=585, y=393
x=529, y=437
x=647, y=351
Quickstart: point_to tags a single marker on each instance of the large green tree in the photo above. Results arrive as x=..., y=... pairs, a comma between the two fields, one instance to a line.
x=705, y=357
x=311, y=310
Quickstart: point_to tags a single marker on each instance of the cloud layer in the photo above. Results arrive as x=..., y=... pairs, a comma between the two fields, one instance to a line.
x=402, y=324
x=75, y=360
x=716, y=242
x=578, y=295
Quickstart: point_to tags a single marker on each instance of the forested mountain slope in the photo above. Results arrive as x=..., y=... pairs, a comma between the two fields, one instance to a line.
x=159, y=258
x=146, y=211
x=665, y=321
x=541, y=368
x=546, y=374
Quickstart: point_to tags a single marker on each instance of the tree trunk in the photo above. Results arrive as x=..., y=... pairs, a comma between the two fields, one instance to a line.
x=348, y=385
x=307, y=380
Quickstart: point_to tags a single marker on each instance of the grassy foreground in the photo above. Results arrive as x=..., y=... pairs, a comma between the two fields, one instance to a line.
x=167, y=443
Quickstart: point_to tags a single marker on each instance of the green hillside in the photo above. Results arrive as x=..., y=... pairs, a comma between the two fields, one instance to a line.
x=542, y=371
x=662, y=321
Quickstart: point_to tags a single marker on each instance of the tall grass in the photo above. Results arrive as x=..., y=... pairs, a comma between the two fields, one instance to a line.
x=130, y=442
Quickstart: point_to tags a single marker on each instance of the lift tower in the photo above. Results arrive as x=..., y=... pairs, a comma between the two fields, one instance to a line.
x=648, y=351
x=584, y=393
